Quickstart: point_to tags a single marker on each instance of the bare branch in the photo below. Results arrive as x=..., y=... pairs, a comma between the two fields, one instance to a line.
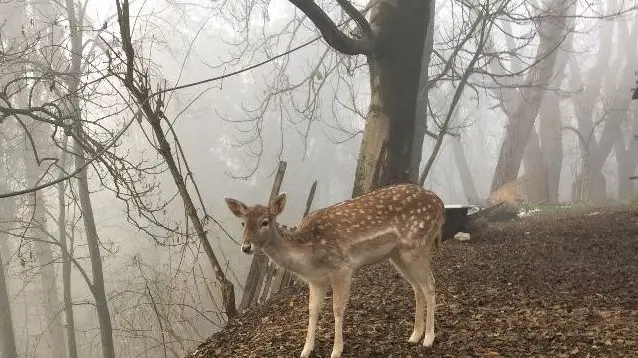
x=330, y=31
x=358, y=18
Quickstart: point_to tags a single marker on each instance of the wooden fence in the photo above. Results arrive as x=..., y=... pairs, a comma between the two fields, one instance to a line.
x=266, y=278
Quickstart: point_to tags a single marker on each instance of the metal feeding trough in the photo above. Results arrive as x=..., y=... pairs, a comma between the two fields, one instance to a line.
x=456, y=219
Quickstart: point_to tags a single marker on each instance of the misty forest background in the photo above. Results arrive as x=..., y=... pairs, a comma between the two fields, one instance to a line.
x=126, y=248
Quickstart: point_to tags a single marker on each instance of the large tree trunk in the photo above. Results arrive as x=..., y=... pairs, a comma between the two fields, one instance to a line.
x=387, y=144
x=92, y=238
x=544, y=155
x=627, y=145
x=521, y=123
x=551, y=133
x=590, y=183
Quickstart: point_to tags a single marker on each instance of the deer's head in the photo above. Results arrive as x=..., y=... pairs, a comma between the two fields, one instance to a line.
x=259, y=221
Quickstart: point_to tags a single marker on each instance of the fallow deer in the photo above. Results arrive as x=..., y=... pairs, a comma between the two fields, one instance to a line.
x=402, y=223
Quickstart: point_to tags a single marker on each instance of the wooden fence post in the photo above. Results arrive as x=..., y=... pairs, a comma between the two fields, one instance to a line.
x=259, y=264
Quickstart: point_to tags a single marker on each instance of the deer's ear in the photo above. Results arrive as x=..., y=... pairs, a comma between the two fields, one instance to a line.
x=278, y=204
x=237, y=207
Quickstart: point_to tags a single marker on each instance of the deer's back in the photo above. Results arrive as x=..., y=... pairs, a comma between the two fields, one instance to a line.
x=405, y=210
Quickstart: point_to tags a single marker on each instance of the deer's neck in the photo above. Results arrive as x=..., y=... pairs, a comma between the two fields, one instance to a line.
x=283, y=247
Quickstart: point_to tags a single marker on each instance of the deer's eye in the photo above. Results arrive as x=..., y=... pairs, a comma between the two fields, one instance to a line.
x=242, y=224
x=264, y=222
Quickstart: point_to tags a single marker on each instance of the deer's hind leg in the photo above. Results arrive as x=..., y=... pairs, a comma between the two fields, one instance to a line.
x=419, y=297
x=341, y=282
x=416, y=262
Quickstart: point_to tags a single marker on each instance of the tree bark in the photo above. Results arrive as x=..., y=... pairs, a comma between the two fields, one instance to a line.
x=400, y=30
x=552, y=33
x=393, y=42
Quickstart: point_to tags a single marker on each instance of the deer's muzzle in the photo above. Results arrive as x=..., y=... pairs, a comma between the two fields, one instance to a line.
x=247, y=248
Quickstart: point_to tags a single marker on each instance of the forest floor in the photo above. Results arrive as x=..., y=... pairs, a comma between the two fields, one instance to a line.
x=557, y=284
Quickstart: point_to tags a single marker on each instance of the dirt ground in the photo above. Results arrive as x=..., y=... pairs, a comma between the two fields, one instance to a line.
x=561, y=284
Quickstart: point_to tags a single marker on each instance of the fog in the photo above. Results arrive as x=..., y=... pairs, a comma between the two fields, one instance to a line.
x=232, y=132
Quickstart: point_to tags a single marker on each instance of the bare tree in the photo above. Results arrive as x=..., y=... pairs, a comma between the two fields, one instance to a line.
x=602, y=111
x=137, y=82
x=524, y=106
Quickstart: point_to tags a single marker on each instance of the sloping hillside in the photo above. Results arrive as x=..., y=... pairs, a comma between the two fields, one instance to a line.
x=563, y=284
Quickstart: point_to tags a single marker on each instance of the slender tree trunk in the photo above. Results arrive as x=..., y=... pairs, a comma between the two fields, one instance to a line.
x=92, y=238
x=50, y=299
x=7, y=336
x=139, y=88
x=386, y=149
x=421, y=126
x=469, y=189
x=66, y=259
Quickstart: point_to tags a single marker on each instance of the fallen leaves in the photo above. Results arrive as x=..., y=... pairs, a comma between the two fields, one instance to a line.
x=559, y=286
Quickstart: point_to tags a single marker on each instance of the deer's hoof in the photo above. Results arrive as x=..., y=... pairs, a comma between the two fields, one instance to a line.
x=428, y=340
x=305, y=353
x=415, y=337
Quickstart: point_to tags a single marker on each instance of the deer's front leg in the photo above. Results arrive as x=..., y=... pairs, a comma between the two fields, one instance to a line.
x=340, y=292
x=315, y=301
x=431, y=306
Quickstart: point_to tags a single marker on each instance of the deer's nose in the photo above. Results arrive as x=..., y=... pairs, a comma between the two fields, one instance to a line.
x=246, y=248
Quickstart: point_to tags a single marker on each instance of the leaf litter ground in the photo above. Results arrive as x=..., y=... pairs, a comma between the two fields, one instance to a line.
x=560, y=284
